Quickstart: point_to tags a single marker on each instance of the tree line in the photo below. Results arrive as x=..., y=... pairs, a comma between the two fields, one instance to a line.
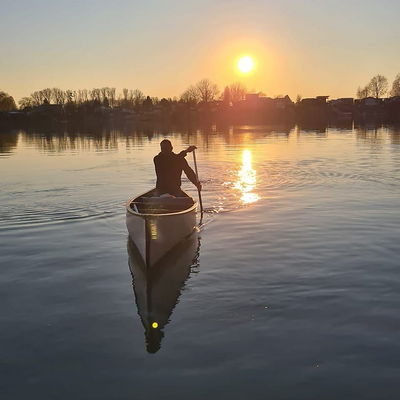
x=378, y=86
x=203, y=91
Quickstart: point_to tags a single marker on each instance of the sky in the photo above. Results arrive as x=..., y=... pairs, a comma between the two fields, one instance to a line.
x=306, y=47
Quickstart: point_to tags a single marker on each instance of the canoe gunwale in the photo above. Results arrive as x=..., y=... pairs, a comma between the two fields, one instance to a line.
x=150, y=215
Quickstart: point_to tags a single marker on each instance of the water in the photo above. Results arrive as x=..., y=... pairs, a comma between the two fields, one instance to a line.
x=290, y=289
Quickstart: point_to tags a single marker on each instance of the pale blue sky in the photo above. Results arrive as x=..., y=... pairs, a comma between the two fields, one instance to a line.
x=311, y=47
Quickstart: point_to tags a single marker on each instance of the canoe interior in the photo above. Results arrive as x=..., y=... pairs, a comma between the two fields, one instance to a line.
x=151, y=204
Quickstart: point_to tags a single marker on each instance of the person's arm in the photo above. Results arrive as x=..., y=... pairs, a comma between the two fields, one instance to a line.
x=183, y=153
x=191, y=174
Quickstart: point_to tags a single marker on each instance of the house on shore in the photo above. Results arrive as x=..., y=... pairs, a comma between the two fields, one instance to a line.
x=342, y=107
x=369, y=102
x=316, y=107
x=282, y=103
x=48, y=110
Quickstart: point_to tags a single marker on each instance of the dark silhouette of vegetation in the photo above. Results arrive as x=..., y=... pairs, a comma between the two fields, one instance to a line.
x=203, y=91
x=200, y=101
x=7, y=102
x=363, y=92
x=377, y=87
x=396, y=86
x=237, y=91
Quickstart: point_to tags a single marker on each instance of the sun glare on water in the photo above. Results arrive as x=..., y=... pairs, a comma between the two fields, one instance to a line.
x=246, y=64
x=247, y=180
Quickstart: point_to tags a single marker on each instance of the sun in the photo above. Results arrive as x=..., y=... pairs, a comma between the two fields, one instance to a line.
x=246, y=64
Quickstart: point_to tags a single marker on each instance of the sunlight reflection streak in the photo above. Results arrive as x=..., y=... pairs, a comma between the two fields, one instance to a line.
x=247, y=180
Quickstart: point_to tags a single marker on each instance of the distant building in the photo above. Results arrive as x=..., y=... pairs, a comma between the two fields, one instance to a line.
x=370, y=102
x=315, y=101
x=283, y=102
x=322, y=99
x=252, y=97
x=53, y=110
x=392, y=100
x=342, y=107
x=254, y=101
x=342, y=102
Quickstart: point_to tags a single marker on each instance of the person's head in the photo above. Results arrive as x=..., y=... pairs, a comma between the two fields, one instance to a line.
x=166, y=146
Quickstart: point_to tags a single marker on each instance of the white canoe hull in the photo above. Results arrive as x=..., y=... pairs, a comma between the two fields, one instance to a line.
x=156, y=234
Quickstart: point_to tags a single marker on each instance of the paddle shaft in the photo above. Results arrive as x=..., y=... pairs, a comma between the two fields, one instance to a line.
x=197, y=176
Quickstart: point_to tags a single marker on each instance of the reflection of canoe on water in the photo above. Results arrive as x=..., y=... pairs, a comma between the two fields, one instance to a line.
x=157, y=224
x=157, y=290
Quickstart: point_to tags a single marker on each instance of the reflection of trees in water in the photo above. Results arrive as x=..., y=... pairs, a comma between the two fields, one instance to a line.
x=372, y=134
x=8, y=142
x=316, y=127
x=376, y=135
x=345, y=125
x=395, y=135
x=98, y=138
x=73, y=141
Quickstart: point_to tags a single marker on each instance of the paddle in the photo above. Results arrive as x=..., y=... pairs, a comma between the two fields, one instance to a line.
x=198, y=189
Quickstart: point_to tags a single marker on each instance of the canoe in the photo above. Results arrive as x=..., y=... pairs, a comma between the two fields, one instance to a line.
x=158, y=289
x=157, y=224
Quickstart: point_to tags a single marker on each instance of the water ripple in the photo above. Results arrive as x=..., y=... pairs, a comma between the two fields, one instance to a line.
x=22, y=216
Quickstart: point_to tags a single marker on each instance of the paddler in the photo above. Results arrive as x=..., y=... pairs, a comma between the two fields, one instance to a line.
x=169, y=167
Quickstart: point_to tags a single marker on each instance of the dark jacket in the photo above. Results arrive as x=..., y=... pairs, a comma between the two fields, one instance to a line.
x=169, y=167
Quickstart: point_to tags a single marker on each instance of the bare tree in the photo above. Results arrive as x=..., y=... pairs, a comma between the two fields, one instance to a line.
x=190, y=96
x=92, y=94
x=138, y=97
x=25, y=102
x=378, y=86
x=78, y=97
x=112, y=96
x=95, y=94
x=37, y=98
x=364, y=92
x=298, y=98
x=85, y=95
x=47, y=94
x=124, y=102
x=226, y=96
x=69, y=95
x=59, y=96
x=131, y=98
x=207, y=91
x=104, y=93
x=119, y=101
x=396, y=86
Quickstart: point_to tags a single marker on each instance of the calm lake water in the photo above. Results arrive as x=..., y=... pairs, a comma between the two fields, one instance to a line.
x=292, y=288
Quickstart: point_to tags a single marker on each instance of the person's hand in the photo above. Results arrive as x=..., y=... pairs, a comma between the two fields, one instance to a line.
x=190, y=149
